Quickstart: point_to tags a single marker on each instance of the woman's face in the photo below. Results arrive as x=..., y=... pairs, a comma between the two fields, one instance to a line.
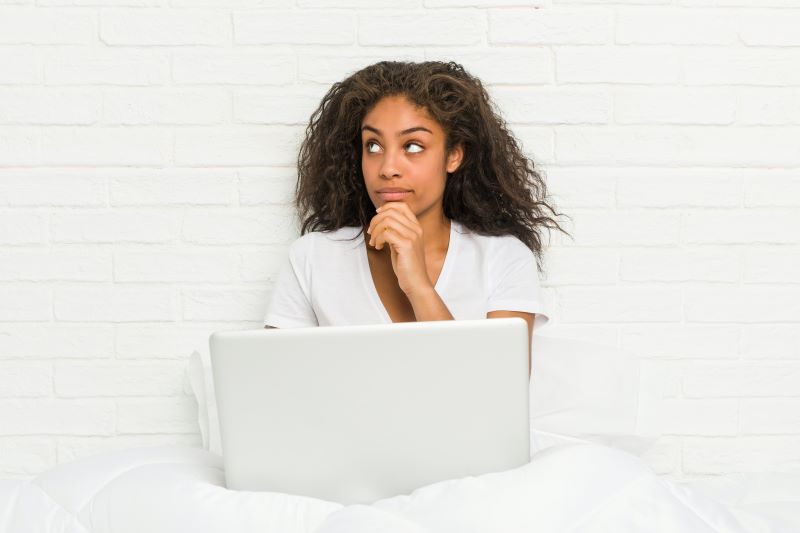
x=403, y=149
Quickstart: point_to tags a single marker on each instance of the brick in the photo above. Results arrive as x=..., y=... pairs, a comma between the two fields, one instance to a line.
x=770, y=28
x=106, y=66
x=32, y=25
x=648, y=2
x=132, y=106
x=38, y=188
x=519, y=66
x=175, y=266
x=22, y=228
x=700, y=417
x=749, y=226
x=693, y=264
x=739, y=3
x=113, y=3
x=240, y=67
x=327, y=68
x=48, y=106
x=25, y=304
x=681, y=341
x=659, y=380
x=779, y=188
x=267, y=186
x=771, y=341
x=25, y=379
x=20, y=145
x=549, y=106
x=114, y=304
x=715, y=65
x=106, y=146
x=116, y=227
x=55, y=265
x=261, y=4
x=464, y=3
x=770, y=415
x=679, y=187
x=674, y=106
x=57, y=416
x=194, y=187
x=582, y=266
x=440, y=27
x=665, y=456
x=577, y=187
x=625, y=228
x=115, y=379
x=294, y=27
x=677, y=145
x=165, y=341
x=742, y=304
x=22, y=65
x=608, y=64
x=275, y=106
x=56, y=341
x=551, y=26
x=238, y=145
x=742, y=379
x=147, y=27
x=263, y=265
x=72, y=448
x=274, y=225
x=620, y=304
x=648, y=25
x=768, y=106
x=537, y=143
x=26, y=456
x=743, y=454
x=162, y=415
x=224, y=304
x=771, y=266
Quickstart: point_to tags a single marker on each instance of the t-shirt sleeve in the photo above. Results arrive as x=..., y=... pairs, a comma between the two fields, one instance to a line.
x=514, y=280
x=290, y=303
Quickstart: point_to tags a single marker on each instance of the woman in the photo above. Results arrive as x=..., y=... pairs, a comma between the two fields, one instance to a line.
x=413, y=156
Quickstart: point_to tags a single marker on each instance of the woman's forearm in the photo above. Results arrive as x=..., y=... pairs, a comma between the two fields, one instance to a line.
x=428, y=305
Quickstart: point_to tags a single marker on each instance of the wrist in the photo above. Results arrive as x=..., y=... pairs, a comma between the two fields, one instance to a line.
x=420, y=293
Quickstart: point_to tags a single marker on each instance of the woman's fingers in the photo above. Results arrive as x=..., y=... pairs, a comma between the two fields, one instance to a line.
x=388, y=231
x=388, y=227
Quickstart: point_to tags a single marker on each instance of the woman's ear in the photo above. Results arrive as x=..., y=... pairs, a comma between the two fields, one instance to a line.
x=454, y=158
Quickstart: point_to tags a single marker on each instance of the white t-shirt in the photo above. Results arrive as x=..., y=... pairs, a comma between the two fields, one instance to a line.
x=326, y=280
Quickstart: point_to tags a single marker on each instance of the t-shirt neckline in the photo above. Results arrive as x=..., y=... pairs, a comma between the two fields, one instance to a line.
x=366, y=275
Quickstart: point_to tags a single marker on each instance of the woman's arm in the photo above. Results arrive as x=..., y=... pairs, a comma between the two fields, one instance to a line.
x=529, y=318
x=428, y=305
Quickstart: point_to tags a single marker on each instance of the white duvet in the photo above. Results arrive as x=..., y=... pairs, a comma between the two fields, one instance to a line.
x=565, y=488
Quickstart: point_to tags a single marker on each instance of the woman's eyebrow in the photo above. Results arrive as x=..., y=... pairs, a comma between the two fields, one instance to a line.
x=404, y=132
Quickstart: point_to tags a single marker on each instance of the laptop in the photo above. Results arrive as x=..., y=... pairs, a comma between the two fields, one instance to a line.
x=355, y=414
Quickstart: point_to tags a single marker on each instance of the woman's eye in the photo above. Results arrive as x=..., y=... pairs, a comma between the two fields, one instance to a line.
x=369, y=143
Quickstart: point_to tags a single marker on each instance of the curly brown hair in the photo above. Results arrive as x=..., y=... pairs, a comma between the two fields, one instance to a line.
x=495, y=191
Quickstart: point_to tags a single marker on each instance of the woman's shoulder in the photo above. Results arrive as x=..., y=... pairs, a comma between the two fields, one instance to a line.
x=493, y=244
x=312, y=241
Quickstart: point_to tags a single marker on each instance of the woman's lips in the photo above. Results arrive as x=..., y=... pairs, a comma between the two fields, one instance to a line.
x=394, y=195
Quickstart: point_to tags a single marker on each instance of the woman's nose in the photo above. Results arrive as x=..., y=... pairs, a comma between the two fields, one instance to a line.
x=389, y=165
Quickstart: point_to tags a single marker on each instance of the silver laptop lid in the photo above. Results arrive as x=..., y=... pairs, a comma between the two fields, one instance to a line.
x=354, y=414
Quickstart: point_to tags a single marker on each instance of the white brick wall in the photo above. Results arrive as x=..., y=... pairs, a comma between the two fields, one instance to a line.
x=147, y=152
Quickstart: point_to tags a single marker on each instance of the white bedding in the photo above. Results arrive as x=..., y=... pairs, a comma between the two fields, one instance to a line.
x=565, y=488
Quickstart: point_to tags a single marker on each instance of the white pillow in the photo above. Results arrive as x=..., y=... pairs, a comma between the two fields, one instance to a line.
x=580, y=391
x=587, y=391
